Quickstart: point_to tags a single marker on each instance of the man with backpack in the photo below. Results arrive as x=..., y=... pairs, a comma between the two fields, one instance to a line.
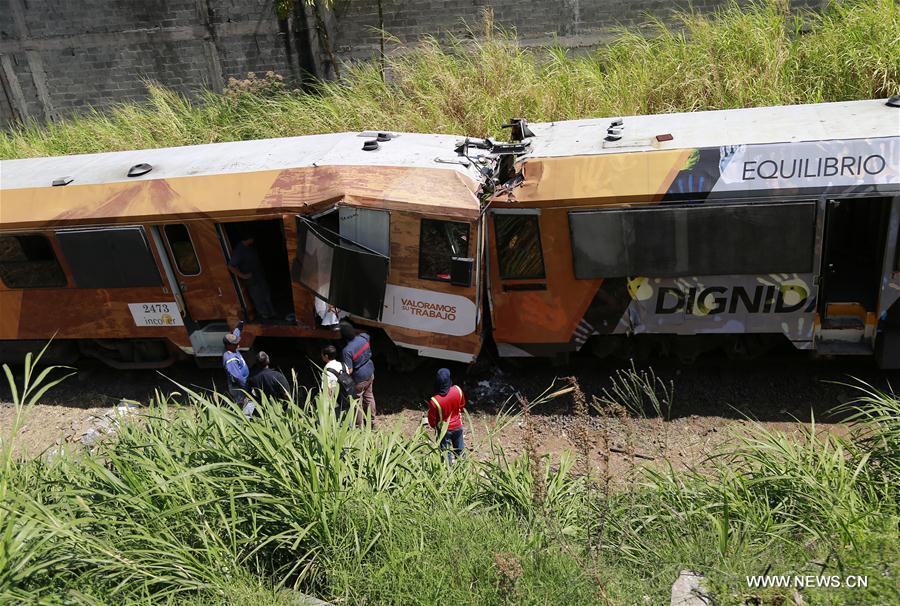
x=338, y=384
x=357, y=359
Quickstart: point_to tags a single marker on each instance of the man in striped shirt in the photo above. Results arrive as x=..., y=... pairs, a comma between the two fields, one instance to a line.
x=357, y=359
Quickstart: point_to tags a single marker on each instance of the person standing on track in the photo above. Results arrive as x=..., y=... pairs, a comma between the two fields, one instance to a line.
x=269, y=381
x=357, y=359
x=444, y=410
x=236, y=370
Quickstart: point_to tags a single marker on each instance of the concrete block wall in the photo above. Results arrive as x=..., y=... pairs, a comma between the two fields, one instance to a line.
x=63, y=56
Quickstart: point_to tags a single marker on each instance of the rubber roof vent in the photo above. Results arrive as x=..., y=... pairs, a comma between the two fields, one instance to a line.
x=893, y=101
x=370, y=145
x=384, y=137
x=139, y=169
x=614, y=131
x=62, y=181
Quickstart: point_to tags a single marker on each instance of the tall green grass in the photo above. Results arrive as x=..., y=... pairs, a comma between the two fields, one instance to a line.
x=195, y=505
x=742, y=56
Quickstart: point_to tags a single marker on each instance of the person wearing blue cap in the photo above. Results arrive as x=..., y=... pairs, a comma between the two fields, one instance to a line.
x=444, y=410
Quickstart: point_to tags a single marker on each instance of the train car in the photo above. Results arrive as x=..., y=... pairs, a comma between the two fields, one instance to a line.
x=124, y=256
x=674, y=234
x=681, y=233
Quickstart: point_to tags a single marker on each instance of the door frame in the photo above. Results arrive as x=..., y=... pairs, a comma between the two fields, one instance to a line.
x=888, y=268
x=823, y=257
x=171, y=278
x=226, y=252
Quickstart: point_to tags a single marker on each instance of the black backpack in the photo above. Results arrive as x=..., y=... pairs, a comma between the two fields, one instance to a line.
x=346, y=388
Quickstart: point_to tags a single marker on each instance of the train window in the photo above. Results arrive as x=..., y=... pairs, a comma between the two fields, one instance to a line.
x=318, y=257
x=439, y=242
x=182, y=249
x=705, y=240
x=116, y=257
x=519, y=246
x=28, y=261
x=368, y=227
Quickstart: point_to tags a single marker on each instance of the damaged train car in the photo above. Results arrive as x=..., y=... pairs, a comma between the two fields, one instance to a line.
x=687, y=232
x=673, y=233
x=124, y=256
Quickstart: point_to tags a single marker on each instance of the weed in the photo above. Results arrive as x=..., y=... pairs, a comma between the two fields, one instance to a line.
x=743, y=56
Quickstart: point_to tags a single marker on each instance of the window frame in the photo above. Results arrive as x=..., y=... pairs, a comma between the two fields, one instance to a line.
x=535, y=214
x=57, y=258
x=464, y=254
x=172, y=250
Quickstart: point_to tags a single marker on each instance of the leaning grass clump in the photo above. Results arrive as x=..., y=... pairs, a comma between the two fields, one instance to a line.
x=744, y=55
x=192, y=504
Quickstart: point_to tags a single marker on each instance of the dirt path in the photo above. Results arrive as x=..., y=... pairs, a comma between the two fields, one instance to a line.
x=684, y=441
x=711, y=399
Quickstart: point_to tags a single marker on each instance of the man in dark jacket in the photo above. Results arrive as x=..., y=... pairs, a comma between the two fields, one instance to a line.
x=357, y=359
x=269, y=381
x=246, y=265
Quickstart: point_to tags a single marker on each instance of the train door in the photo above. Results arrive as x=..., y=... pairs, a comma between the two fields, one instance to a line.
x=258, y=251
x=518, y=281
x=850, y=280
x=192, y=250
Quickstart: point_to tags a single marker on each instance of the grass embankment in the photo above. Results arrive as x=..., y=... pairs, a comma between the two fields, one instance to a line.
x=751, y=56
x=195, y=505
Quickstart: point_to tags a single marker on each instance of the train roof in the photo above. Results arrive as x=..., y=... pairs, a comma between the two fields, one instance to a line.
x=415, y=172
x=404, y=150
x=758, y=125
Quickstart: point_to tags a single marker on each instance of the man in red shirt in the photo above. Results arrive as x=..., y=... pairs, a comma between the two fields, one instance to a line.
x=444, y=410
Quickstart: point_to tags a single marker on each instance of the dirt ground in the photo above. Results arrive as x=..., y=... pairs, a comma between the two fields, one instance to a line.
x=712, y=399
x=685, y=442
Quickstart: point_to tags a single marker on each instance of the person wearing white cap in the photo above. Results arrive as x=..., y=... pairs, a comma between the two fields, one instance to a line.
x=236, y=369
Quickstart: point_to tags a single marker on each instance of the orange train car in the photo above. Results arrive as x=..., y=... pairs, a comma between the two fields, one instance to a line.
x=676, y=233
x=686, y=232
x=124, y=256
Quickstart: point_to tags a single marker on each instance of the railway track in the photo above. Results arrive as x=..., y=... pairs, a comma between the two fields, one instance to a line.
x=782, y=387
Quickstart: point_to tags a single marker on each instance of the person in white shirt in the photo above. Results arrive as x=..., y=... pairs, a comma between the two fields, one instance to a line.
x=333, y=368
x=329, y=315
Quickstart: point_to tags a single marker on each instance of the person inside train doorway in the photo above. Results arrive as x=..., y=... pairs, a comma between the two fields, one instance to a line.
x=268, y=381
x=357, y=359
x=236, y=370
x=444, y=409
x=246, y=265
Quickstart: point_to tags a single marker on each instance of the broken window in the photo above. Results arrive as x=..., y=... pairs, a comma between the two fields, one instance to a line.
x=28, y=261
x=109, y=257
x=439, y=243
x=367, y=227
x=344, y=273
x=519, y=245
x=182, y=249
